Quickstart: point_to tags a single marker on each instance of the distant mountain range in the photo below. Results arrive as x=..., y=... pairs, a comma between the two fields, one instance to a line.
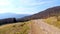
x=12, y=15
x=54, y=11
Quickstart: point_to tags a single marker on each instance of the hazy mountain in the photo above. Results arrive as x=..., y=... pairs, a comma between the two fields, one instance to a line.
x=12, y=15
x=54, y=11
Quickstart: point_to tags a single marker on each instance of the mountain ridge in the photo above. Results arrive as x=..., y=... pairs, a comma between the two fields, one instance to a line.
x=54, y=11
x=11, y=15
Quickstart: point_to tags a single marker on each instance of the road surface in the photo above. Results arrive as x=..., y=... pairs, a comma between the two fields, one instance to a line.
x=40, y=27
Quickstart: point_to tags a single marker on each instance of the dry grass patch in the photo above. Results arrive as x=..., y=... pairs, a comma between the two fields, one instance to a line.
x=16, y=28
x=55, y=21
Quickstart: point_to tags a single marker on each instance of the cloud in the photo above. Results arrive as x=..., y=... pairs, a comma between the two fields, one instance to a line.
x=34, y=2
x=16, y=10
x=23, y=6
x=23, y=12
x=4, y=2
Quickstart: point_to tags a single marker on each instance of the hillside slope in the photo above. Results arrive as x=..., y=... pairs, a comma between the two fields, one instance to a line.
x=37, y=26
x=54, y=11
x=15, y=28
x=45, y=22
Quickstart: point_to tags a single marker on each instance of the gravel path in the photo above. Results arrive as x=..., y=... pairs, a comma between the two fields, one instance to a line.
x=40, y=27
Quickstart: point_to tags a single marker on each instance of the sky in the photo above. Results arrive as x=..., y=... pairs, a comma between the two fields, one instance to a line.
x=26, y=6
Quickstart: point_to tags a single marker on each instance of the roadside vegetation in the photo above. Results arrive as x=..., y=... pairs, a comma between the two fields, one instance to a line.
x=55, y=20
x=15, y=28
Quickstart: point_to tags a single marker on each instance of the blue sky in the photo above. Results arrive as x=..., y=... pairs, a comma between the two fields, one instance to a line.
x=26, y=6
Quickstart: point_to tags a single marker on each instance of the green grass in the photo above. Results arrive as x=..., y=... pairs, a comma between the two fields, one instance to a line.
x=16, y=28
x=55, y=21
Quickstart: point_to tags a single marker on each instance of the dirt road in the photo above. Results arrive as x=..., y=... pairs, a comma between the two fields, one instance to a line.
x=40, y=27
